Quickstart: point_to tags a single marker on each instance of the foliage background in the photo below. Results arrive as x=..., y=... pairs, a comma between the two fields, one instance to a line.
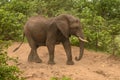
x=100, y=19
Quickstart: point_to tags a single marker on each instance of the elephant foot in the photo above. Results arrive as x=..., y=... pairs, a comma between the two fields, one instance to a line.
x=38, y=60
x=70, y=63
x=51, y=62
x=35, y=60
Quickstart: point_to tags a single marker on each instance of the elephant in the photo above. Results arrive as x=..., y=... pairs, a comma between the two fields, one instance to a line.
x=42, y=31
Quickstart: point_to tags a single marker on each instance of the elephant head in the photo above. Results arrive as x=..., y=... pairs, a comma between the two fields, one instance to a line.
x=69, y=25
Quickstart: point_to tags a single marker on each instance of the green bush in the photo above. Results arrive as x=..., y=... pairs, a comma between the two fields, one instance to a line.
x=12, y=19
x=10, y=25
x=8, y=72
x=74, y=41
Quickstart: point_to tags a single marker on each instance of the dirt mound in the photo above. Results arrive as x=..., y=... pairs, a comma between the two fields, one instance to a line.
x=93, y=66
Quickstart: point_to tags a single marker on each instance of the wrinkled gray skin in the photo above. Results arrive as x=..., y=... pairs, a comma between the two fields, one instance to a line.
x=41, y=31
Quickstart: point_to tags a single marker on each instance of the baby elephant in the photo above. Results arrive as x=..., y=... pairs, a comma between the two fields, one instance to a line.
x=41, y=31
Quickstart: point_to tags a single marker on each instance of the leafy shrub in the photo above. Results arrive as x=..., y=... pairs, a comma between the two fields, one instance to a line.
x=74, y=41
x=10, y=25
x=8, y=72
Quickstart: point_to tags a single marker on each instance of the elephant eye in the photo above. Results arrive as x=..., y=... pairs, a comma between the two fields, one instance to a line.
x=77, y=21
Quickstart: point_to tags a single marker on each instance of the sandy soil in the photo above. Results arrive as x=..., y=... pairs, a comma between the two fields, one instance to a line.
x=93, y=66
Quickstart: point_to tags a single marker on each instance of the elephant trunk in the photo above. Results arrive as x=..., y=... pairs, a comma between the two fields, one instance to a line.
x=82, y=40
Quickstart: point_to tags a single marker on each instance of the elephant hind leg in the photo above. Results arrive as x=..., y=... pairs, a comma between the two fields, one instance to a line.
x=33, y=56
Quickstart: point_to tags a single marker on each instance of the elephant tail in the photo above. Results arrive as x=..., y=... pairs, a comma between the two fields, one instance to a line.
x=20, y=44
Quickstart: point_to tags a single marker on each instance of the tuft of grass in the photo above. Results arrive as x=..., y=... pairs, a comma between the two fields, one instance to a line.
x=63, y=78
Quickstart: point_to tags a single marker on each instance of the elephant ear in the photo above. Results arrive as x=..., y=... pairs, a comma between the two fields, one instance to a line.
x=63, y=27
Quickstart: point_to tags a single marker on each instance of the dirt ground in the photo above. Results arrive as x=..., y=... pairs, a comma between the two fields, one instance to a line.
x=93, y=66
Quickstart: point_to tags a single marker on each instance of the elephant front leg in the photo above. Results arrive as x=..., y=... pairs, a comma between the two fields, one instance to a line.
x=33, y=57
x=51, y=53
x=67, y=47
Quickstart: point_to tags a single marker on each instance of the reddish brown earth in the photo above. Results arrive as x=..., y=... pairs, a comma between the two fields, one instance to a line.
x=93, y=66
